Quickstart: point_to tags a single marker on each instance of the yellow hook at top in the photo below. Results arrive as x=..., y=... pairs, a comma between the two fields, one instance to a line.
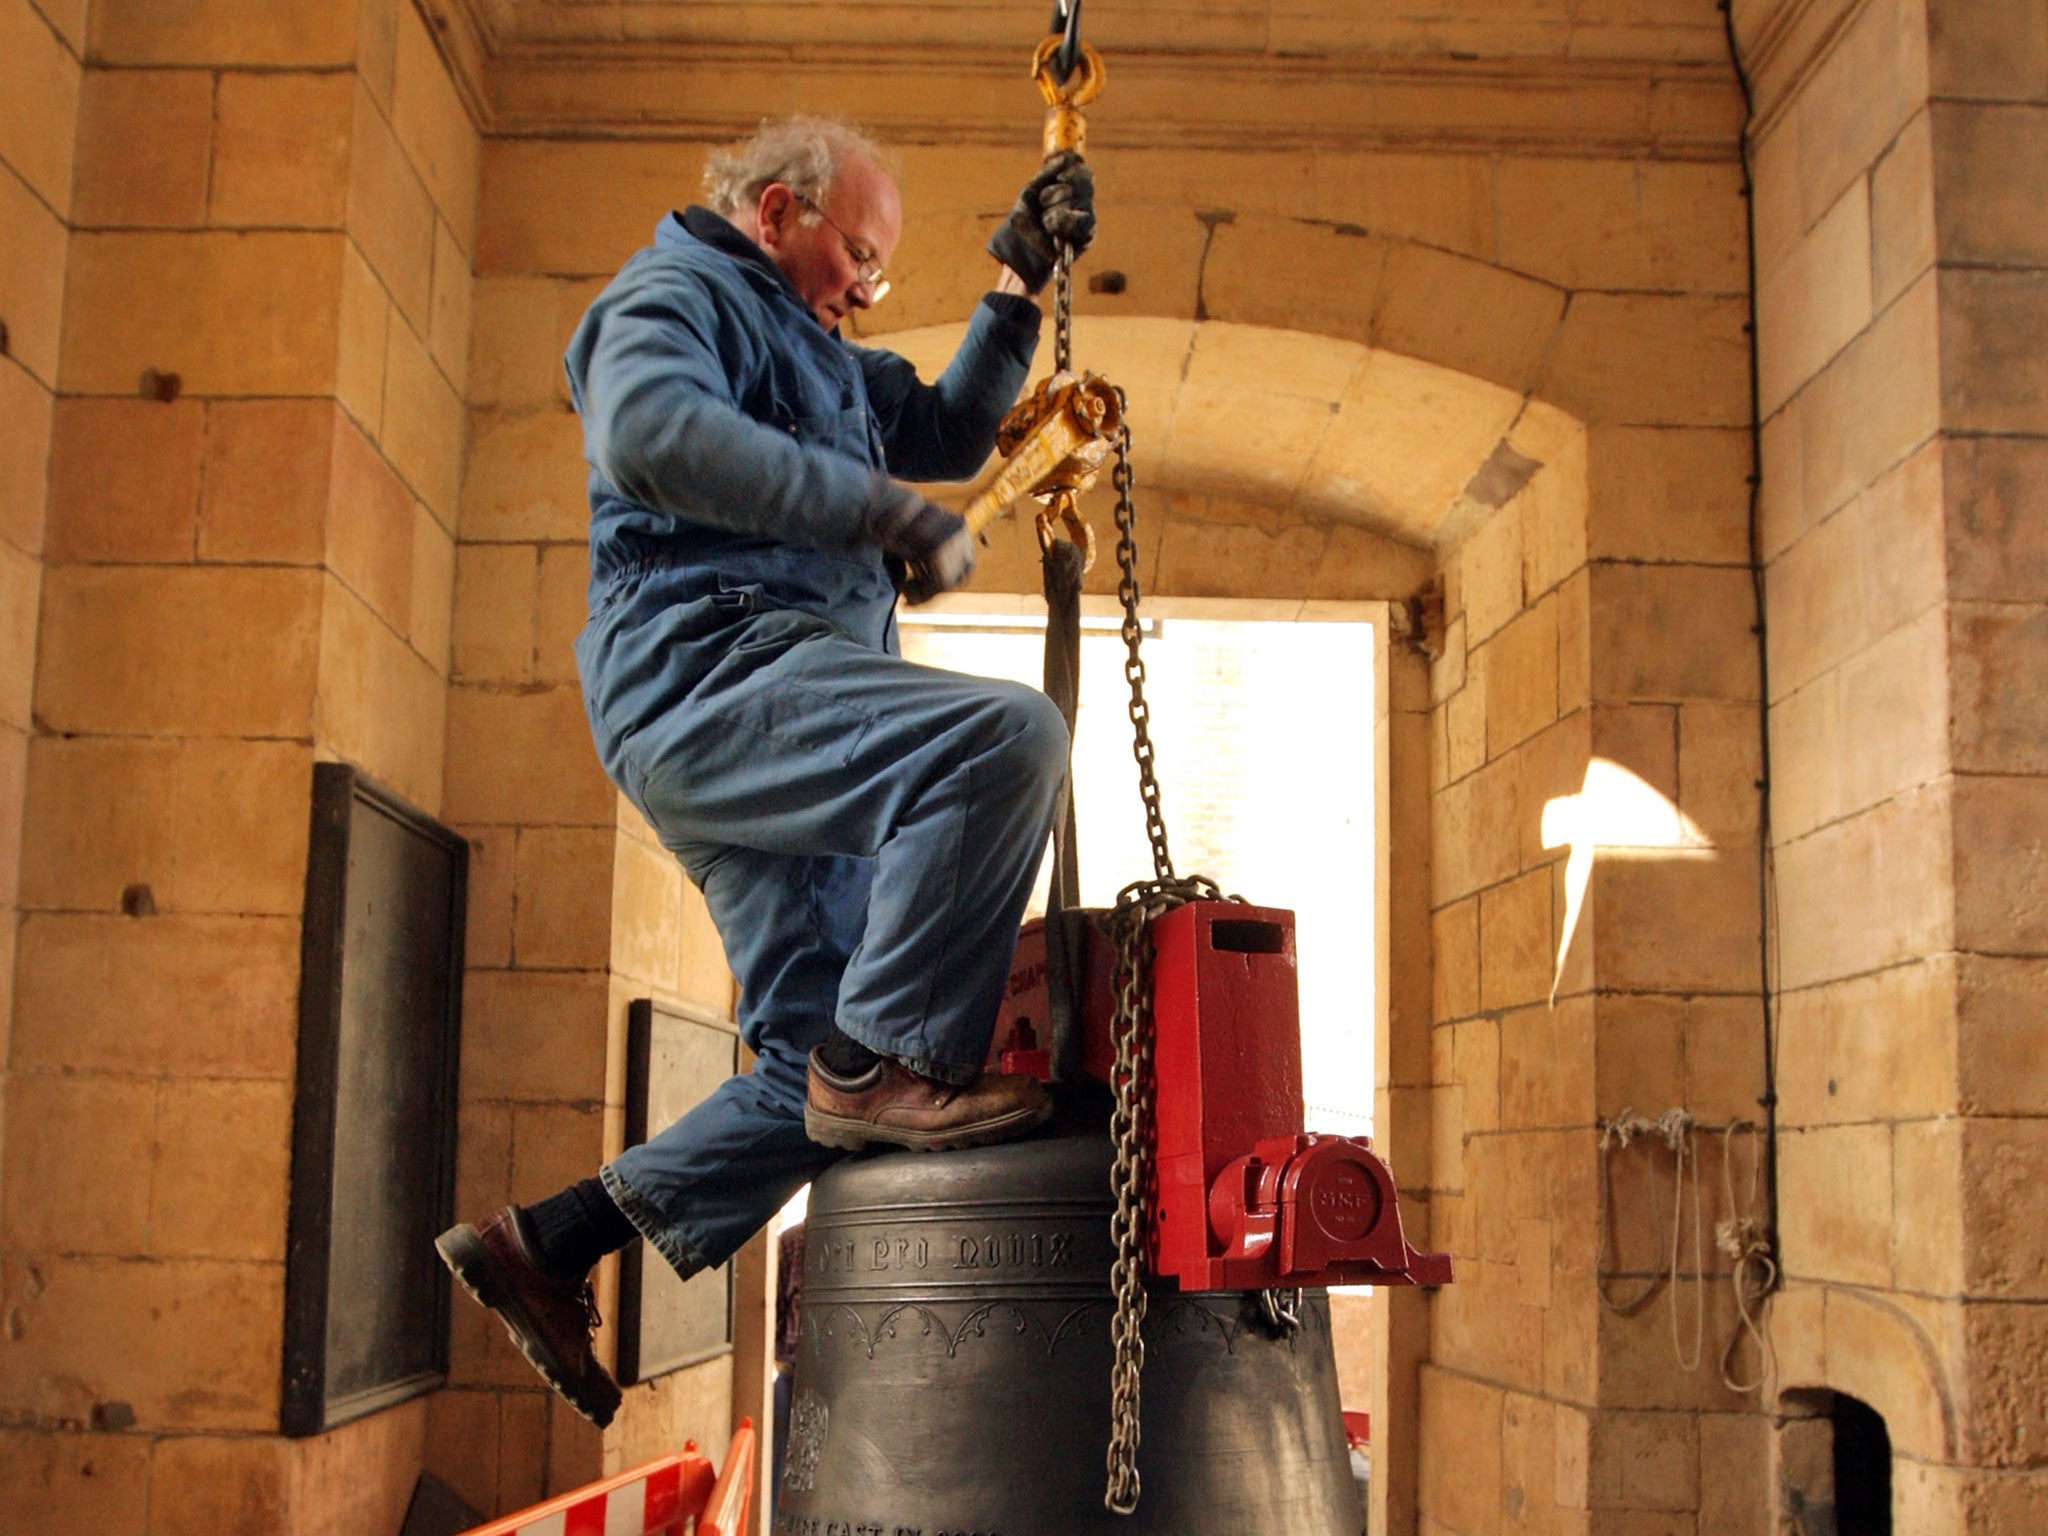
x=1064, y=125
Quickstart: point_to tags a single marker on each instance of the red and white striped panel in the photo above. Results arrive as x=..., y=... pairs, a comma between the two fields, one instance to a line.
x=648, y=1501
x=639, y=1508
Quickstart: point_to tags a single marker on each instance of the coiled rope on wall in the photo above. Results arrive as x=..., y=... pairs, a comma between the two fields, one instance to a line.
x=1739, y=1236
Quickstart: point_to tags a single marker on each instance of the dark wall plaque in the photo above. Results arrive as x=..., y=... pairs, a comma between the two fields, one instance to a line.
x=675, y=1058
x=373, y=1119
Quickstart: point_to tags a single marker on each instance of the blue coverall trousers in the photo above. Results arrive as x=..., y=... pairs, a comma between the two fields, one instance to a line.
x=866, y=833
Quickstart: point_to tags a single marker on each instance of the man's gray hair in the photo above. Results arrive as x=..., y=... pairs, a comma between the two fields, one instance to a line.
x=804, y=153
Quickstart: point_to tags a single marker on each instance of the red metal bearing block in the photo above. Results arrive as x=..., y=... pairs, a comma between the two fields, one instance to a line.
x=1245, y=1198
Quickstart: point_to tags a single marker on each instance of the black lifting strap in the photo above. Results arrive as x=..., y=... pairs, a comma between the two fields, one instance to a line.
x=1063, y=562
x=1063, y=918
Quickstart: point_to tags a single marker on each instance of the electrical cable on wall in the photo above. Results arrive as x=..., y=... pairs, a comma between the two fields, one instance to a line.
x=1767, y=882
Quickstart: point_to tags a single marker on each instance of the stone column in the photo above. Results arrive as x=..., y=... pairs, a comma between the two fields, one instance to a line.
x=40, y=69
x=1901, y=257
x=256, y=447
x=1988, y=113
x=41, y=52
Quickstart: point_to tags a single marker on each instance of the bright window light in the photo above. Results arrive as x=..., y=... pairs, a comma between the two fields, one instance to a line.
x=1264, y=734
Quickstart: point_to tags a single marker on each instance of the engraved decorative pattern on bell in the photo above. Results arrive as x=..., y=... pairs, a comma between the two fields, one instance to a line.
x=809, y=1418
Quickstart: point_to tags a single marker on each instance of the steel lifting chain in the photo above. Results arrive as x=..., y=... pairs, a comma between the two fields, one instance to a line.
x=1130, y=1176
x=1280, y=1311
x=1138, y=906
x=1063, y=312
x=1134, y=659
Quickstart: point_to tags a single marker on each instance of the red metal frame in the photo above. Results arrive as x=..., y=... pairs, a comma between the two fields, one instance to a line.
x=1245, y=1198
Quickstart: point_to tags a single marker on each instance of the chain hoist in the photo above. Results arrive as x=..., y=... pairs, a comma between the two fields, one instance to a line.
x=1056, y=441
x=1055, y=444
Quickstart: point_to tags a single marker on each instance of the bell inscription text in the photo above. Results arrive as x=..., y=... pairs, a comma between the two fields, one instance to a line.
x=864, y=1257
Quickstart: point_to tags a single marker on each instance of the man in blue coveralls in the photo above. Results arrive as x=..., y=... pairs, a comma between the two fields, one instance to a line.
x=865, y=831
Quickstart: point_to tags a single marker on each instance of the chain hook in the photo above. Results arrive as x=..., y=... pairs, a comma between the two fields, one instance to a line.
x=1065, y=95
x=1066, y=21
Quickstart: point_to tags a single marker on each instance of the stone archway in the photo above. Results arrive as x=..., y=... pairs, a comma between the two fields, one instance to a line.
x=1357, y=463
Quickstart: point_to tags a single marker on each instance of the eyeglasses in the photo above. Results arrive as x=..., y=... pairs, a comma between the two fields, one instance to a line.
x=867, y=267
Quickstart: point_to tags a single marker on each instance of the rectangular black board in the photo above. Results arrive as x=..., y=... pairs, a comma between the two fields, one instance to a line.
x=676, y=1057
x=373, y=1117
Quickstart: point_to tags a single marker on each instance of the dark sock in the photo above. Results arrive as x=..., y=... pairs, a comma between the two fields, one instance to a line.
x=844, y=1056
x=576, y=1228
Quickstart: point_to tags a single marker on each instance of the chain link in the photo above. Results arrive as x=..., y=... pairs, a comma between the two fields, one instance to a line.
x=1063, y=312
x=1138, y=906
x=1130, y=1127
x=1129, y=1176
x=1281, y=1310
x=1134, y=659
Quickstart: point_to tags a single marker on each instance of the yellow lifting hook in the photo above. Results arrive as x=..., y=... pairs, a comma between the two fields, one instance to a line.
x=1065, y=128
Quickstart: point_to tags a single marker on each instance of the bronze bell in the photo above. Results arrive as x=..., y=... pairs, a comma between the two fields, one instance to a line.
x=952, y=1376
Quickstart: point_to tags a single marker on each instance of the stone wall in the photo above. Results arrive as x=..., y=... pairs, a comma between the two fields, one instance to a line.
x=40, y=50
x=40, y=69
x=1900, y=255
x=255, y=452
x=1602, y=612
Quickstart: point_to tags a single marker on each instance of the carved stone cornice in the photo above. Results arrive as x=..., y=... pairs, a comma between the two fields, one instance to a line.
x=462, y=32
x=1783, y=43
x=1203, y=101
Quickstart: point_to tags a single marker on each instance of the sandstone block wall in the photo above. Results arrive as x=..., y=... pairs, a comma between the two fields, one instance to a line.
x=1901, y=300
x=1601, y=612
x=242, y=572
x=40, y=70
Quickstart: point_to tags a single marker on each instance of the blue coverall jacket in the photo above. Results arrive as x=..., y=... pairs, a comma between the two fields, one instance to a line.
x=865, y=831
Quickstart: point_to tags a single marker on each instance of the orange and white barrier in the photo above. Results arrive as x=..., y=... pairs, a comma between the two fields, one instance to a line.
x=725, y=1512
x=659, y=1498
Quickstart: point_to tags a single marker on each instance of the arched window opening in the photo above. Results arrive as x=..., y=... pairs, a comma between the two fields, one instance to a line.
x=1863, y=1470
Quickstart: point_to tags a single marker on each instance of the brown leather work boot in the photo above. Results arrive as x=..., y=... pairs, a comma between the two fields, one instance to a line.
x=891, y=1104
x=550, y=1319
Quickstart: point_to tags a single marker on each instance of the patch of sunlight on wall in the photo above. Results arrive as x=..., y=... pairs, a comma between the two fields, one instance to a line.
x=1263, y=733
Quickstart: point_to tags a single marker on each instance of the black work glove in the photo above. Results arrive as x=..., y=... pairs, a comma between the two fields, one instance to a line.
x=933, y=543
x=1056, y=207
